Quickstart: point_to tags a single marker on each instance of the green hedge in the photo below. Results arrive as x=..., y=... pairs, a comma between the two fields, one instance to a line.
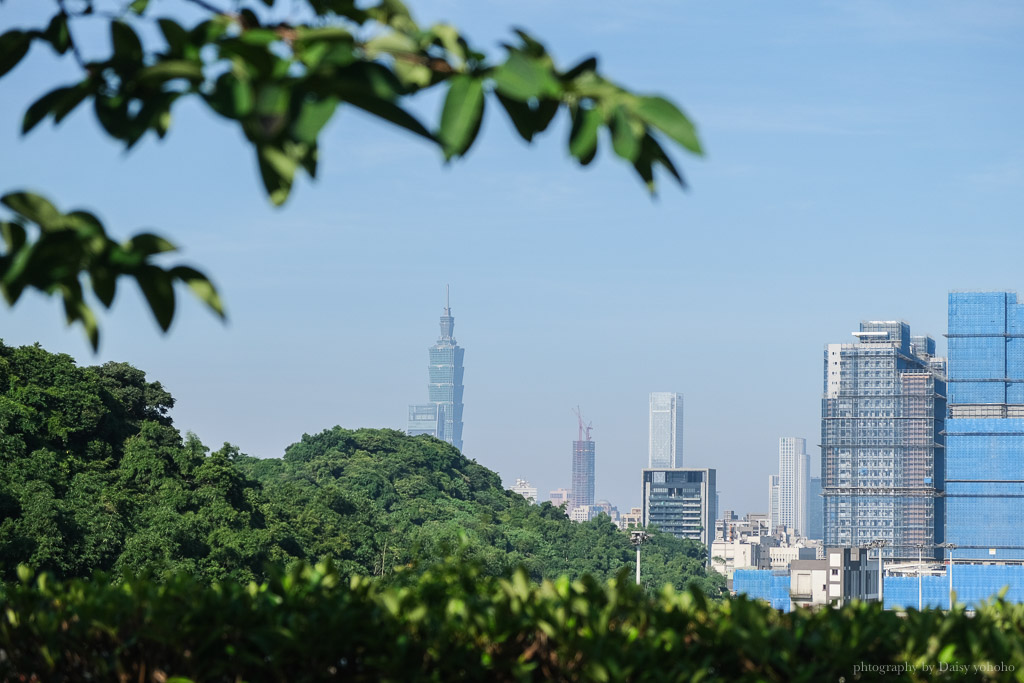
x=453, y=623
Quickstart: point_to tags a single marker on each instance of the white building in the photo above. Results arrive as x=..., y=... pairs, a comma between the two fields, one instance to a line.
x=665, y=446
x=581, y=513
x=526, y=490
x=773, y=501
x=794, y=483
x=559, y=497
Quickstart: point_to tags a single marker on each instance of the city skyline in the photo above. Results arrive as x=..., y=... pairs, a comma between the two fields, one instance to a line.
x=442, y=417
x=794, y=483
x=822, y=177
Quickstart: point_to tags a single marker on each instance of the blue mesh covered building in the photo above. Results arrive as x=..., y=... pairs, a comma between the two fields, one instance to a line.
x=985, y=427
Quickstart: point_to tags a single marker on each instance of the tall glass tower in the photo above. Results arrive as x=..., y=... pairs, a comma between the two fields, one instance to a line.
x=442, y=416
x=985, y=426
x=665, y=447
x=882, y=441
x=794, y=482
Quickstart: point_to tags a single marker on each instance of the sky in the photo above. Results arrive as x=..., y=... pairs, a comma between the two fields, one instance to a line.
x=863, y=160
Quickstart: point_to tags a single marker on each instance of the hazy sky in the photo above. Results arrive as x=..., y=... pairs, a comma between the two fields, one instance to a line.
x=864, y=158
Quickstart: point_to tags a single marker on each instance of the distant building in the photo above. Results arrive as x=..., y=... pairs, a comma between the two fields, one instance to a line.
x=632, y=519
x=582, y=467
x=815, y=511
x=794, y=480
x=442, y=416
x=882, y=440
x=604, y=506
x=525, y=489
x=985, y=428
x=559, y=497
x=665, y=445
x=581, y=513
x=773, y=500
x=843, y=575
x=681, y=502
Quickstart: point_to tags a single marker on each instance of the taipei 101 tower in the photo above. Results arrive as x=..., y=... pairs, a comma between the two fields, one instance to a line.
x=442, y=416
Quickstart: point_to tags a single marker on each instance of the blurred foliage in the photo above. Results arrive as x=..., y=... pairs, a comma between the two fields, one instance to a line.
x=457, y=622
x=280, y=71
x=94, y=476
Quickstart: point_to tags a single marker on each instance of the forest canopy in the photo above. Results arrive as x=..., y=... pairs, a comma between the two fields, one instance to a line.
x=94, y=476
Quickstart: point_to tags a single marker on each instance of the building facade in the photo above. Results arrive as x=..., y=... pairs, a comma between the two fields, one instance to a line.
x=815, y=511
x=882, y=445
x=525, y=489
x=794, y=482
x=442, y=416
x=665, y=443
x=582, y=492
x=773, y=501
x=985, y=427
x=680, y=501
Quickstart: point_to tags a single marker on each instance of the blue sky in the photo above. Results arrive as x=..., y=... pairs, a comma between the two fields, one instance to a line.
x=864, y=158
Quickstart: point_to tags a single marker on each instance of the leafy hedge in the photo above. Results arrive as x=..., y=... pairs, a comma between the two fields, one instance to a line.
x=455, y=623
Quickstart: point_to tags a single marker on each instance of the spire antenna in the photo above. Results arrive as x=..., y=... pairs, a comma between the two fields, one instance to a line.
x=447, y=297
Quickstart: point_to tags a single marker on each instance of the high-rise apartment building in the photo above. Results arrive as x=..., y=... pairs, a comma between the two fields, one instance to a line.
x=882, y=441
x=665, y=445
x=794, y=480
x=582, y=492
x=773, y=501
x=984, y=479
x=442, y=416
x=681, y=501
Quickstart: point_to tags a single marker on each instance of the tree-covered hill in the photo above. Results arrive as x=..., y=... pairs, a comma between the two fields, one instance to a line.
x=94, y=476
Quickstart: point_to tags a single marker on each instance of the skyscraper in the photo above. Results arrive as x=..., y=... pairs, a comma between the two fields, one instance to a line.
x=665, y=446
x=442, y=416
x=882, y=445
x=582, y=467
x=985, y=429
x=794, y=480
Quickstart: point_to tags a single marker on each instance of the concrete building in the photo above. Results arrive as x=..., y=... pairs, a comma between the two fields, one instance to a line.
x=844, y=575
x=882, y=440
x=773, y=501
x=525, y=489
x=665, y=443
x=581, y=513
x=560, y=497
x=680, y=501
x=632, y=519
x=815, y=511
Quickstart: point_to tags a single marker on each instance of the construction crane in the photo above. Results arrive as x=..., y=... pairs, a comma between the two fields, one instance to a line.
x=583, y=427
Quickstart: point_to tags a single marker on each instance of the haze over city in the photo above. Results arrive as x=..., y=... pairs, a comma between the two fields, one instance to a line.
x=862, y=160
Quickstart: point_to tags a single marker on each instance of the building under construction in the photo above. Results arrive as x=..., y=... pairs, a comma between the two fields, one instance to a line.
x=882, y=441
x=582, y=469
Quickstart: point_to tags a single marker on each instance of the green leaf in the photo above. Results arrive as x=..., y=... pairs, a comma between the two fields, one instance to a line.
x=104, y=284
x=126, y=44
x=148, y=244
x=662, y=114
x=13, y=46
x=35, y=208
x=14, y=236
x=522, y=77
x=391, y=112
x=463, y=109
x=232, y=97
x=625, y=140
x=587, y=65
x=175, y=35
x=201, y=287
x=169, y=69
x=138, y=6
x=523, y=117
x=156, y=285
x=313, y=116
x=277, y=170
x=39, y=109
x=583, y=137
x=57, y=33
